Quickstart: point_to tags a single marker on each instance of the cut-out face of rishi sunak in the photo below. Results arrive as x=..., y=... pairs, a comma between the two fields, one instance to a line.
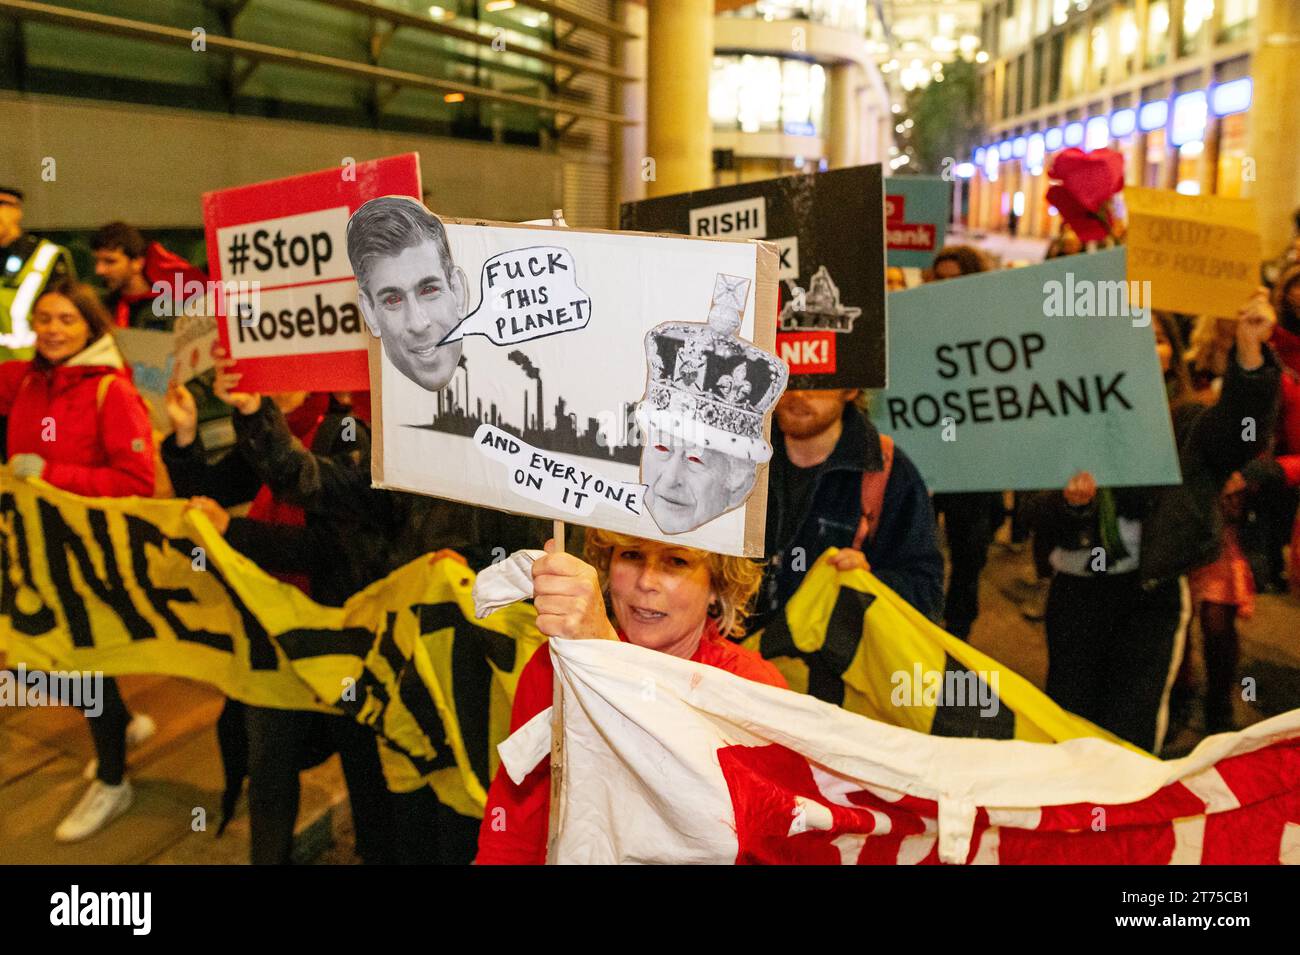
x=411, y=292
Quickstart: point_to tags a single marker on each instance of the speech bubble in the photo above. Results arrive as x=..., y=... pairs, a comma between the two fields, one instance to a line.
x=525, y=294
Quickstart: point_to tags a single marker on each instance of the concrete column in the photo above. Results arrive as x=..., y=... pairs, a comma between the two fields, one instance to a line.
x=679, y=60
x=841, y=134
x=632, y=141
x=1274, y=120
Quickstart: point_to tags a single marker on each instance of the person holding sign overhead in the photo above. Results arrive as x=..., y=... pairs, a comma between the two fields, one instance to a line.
x=677, y=600
x=411, y=292
x=1118, y=604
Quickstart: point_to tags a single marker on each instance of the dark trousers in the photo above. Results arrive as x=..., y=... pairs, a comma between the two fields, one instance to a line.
x=1266, y=531
x=429, y=833
x=108, y=730
x=283, y=742
x=969, y=522
x=1113, y=650
x=1222, y=651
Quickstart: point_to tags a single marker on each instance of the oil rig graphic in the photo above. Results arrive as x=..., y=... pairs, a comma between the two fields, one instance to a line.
x=458, y=412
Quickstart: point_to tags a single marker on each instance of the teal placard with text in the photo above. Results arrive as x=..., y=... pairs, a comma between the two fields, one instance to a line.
x=1019, y=379
x=916, y=219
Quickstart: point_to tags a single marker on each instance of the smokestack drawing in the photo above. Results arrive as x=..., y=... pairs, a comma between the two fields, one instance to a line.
x=520, y=359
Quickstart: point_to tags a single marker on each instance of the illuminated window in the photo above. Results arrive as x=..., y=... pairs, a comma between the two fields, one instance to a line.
x=1196, y=25
x=1127, y=40
x=767, y=94
x=1100, y=54
x=1236, y=19
x=1157, y=33
x=1076, y=60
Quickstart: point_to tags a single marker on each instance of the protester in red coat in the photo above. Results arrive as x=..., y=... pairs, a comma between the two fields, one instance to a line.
x=666, y=597
x=82, y=417
x=1286, y=343
x=72, y=417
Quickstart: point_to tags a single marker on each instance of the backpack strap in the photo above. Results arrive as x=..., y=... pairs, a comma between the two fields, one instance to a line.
x=101, y=391
x=162, y=486
x=873, y=495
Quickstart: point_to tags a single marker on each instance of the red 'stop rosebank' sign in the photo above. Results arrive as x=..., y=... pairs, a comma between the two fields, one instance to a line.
x=907, y=236
x=289, y=312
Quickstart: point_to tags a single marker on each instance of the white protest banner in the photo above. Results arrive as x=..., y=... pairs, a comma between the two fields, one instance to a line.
x=714, y=769
x=519, y=368
x=288, y=312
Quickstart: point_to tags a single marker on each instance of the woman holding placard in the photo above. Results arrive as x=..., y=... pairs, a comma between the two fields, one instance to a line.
x=665, y=597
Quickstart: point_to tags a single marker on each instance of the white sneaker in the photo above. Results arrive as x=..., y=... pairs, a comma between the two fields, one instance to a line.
x=138, y=730
x=100, y=805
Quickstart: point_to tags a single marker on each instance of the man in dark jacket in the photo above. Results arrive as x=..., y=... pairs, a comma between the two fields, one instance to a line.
x=823, y=449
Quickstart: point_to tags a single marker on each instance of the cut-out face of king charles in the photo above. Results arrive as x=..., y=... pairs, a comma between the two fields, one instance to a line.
x=411, y=292
x=702, y=415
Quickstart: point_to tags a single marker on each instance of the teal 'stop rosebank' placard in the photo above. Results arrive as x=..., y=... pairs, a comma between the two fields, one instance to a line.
x=916, y=219
x=1019, y=379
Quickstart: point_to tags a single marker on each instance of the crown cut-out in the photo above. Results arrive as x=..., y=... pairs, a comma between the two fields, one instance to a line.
x=707, y=386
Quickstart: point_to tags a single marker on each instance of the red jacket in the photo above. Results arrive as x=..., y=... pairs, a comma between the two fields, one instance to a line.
x=1287, y=346
x=516, y=817
x=94, y=444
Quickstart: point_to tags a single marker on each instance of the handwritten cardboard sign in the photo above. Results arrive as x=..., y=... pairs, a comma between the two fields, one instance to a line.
x=532, y=397
x=1201, y=254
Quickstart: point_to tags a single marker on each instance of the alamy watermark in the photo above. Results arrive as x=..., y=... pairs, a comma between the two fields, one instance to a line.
x=82, y=689
x=1086, y=298
x=174, y=297
x=954, y=688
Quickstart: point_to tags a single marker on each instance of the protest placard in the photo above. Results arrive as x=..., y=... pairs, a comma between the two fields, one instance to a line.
x=150, y=356
x=1047, y=370
x=194, y=338
x=522, y=369
x=829, y=232
x=1201, y=254
x=916, y=219
x=288, y=310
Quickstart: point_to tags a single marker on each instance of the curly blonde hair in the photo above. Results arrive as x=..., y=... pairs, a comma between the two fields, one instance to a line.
x=735, y=580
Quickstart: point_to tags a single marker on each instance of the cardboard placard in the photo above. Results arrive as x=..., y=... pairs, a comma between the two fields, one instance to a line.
x=1201, y=254
x=299, y=327
x=829, y=231
x=537, y=407
x=150, y=356
x=916, y=219
x=195, y=337
x=1050, y=370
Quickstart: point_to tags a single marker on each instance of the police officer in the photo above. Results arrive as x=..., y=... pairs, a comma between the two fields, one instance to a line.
x=27, y=265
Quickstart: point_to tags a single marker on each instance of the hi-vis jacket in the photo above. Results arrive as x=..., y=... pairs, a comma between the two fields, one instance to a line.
x=27, y=267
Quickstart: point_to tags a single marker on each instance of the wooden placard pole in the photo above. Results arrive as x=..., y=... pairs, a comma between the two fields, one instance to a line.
x=557, y=697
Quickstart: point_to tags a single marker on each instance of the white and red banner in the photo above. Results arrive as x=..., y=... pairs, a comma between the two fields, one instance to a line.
x=287, y=305
x=668, y=761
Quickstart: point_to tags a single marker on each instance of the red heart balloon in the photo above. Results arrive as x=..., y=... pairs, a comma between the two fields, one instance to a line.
x=1091, y=178
x=1084, y=223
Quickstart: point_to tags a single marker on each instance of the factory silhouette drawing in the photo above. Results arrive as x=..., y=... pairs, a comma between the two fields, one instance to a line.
x=454, y=414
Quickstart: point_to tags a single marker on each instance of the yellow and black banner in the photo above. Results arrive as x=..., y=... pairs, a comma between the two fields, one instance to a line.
x=136, y=585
